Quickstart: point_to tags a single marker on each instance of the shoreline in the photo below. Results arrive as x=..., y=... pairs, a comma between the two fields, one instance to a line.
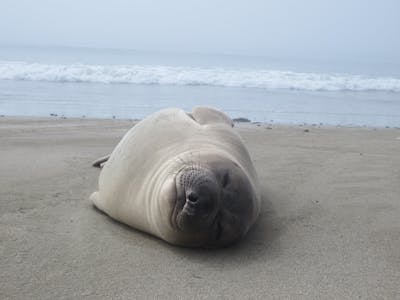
x=56, y=117
x=27, y=98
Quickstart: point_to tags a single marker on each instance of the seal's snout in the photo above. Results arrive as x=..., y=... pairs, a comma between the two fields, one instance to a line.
x=201, y=203
x=192, y=198
x=200, y=195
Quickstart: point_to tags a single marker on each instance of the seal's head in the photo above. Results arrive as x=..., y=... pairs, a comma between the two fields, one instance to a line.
x=214, y=202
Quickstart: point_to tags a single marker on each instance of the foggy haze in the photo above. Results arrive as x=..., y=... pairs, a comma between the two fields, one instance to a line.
x=312, y=29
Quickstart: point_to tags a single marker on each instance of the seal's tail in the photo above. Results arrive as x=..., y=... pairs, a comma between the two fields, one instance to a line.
x=99, y=163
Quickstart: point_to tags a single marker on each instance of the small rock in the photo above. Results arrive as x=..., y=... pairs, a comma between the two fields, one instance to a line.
x=244, y=120
x=53, y=115
x=306, y=130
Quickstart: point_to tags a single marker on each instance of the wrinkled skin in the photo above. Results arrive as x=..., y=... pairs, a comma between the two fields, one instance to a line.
x=214, y=201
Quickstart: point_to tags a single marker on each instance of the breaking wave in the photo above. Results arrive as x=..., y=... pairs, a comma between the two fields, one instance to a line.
x=167, y=75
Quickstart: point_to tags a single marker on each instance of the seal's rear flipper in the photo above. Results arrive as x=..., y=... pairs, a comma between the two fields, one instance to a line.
x=208, y=115
x=99, y=163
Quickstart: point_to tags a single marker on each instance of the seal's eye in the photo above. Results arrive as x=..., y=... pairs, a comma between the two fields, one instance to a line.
x=225, y=179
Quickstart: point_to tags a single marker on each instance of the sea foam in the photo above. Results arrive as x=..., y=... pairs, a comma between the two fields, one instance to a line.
x=168, y=75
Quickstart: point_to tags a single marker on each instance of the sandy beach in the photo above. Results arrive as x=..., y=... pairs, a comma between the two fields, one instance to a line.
x=329, y=226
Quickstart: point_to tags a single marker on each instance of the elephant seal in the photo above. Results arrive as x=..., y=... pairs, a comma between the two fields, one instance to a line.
x=186, y=178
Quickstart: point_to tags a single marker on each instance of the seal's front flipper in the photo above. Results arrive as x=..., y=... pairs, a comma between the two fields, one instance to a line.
x=99, y=163
x=208, y=115
x=94, y=197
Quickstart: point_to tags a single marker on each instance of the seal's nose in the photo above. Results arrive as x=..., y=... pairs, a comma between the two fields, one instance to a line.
x=201, y=193
x=192, y=198
x=201, y=202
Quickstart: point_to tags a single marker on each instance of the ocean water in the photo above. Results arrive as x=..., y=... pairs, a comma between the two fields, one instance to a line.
x=105, y=83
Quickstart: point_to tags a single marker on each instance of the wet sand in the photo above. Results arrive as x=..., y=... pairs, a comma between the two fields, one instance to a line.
x=329, y=226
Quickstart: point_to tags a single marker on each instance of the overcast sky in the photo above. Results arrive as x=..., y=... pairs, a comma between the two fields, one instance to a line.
x=285, y=28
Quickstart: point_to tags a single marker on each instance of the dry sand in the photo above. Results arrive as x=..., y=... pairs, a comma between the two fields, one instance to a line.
x=329, y=227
